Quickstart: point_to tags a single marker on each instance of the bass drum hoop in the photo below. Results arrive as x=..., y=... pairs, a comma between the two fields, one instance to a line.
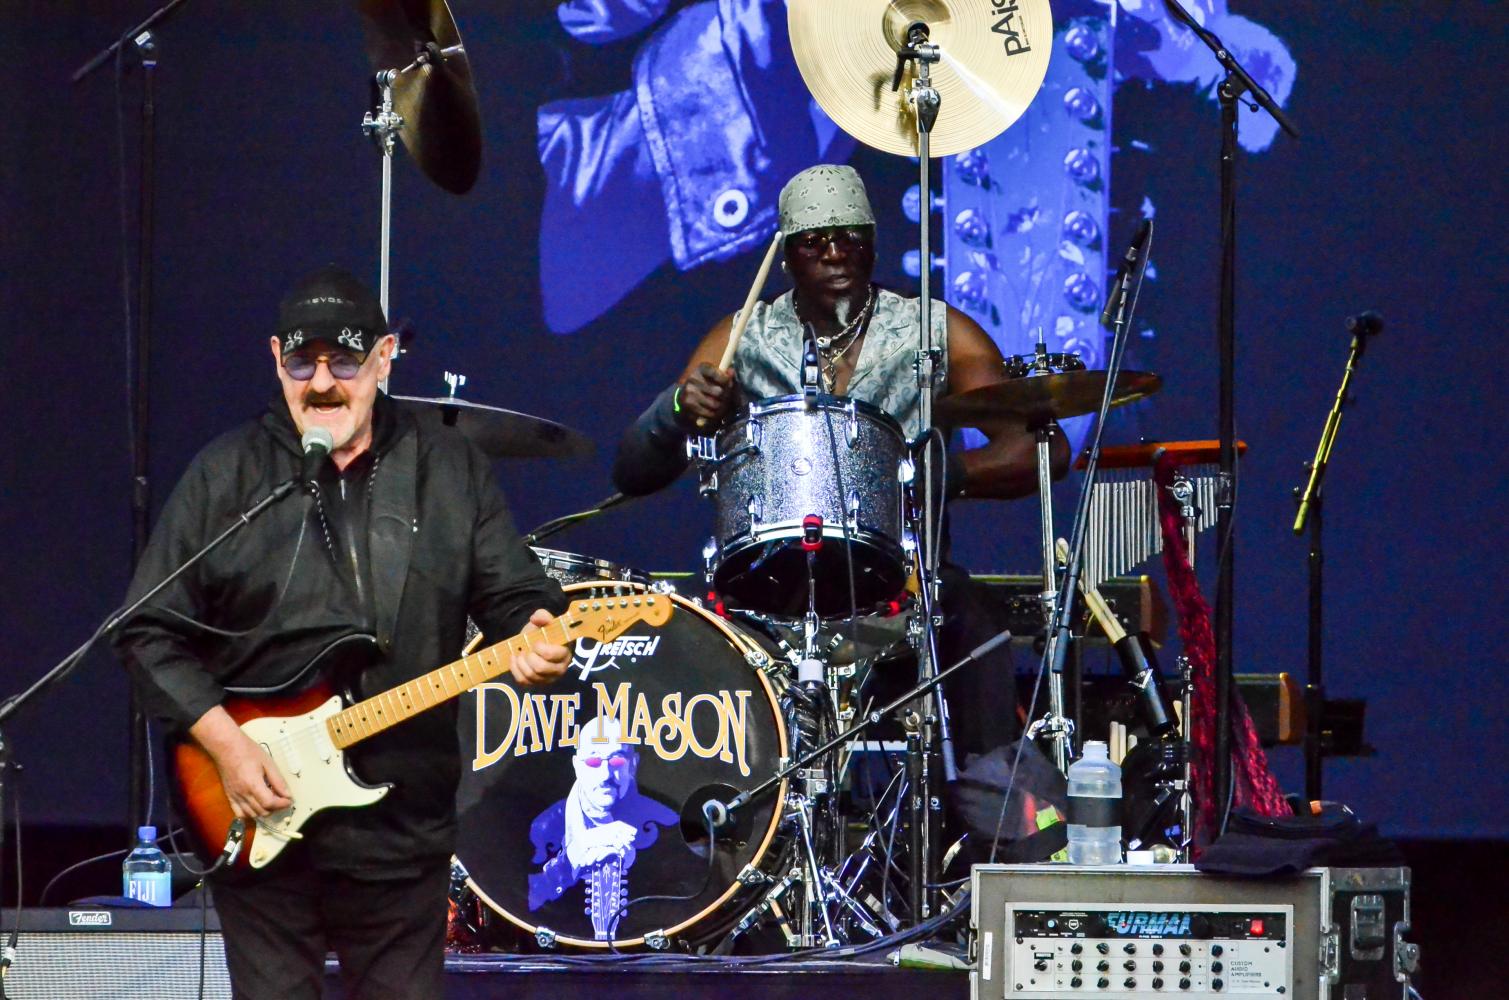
x=744, y=645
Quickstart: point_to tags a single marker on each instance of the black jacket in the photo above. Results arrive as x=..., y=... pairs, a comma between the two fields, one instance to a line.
x=441, y=545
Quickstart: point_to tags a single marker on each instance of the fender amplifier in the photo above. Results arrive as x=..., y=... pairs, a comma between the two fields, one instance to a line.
x=1055, y=932
x=95, y=953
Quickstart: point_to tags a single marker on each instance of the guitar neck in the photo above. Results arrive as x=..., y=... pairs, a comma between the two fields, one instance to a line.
x=383, y=711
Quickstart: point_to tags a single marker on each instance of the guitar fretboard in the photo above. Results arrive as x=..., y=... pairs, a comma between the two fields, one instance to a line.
x=602, y=617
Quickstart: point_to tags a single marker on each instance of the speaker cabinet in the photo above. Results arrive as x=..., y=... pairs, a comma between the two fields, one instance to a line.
x=100, y=953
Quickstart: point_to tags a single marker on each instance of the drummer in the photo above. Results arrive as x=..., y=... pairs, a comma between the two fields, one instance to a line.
x=867, y=340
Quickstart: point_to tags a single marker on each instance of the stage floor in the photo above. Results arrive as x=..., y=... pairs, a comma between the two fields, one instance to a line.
x=530, y=977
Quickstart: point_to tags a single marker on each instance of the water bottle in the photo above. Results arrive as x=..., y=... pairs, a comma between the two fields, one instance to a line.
x=1094, y=808
x=146, y=874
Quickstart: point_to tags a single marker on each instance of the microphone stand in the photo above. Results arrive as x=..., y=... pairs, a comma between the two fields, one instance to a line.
x=144, y=41
x=1232, y=89
x=720, y=813
x=1056, y=650
x=65, y=666
x=1311, y=510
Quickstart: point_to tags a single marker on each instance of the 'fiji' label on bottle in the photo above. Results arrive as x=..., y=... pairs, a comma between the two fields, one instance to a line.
x=152, y=888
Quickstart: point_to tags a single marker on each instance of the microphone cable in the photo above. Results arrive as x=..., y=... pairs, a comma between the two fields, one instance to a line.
x=707, y=879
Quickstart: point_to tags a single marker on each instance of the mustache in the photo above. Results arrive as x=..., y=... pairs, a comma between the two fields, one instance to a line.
x=330, y=397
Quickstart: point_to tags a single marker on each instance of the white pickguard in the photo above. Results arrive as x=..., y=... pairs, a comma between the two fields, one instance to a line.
x=314, y=770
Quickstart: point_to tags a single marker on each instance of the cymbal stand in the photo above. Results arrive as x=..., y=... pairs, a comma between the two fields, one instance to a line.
x=383, y=128
x=935, y=733
x=1056, y=724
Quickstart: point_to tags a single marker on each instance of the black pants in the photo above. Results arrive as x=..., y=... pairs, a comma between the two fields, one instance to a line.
x=388, y=934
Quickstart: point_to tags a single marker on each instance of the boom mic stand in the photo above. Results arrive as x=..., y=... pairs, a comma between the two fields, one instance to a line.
x=719, y=813
x=1311, y=508
x=1056, y=651
x=144, y=42
x=1237, y=83
x=14, y=703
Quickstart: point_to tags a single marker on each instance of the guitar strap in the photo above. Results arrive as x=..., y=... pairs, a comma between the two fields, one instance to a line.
x=391, y=529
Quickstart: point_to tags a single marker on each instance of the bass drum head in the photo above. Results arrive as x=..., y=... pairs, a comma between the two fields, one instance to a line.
x=582, y=795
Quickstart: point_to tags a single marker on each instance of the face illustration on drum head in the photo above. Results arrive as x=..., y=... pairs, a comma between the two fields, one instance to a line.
x=604, y=766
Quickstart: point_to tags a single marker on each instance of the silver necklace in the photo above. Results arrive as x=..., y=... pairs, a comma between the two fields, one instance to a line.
x=831, y=354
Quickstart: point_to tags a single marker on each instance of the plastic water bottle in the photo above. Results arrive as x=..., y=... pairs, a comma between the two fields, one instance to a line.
x=1094, y=808
x=146, y=874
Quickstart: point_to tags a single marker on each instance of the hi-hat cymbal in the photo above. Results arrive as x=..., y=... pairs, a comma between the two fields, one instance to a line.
x=1037, y=399
x=433, y=88
x=994, y=58
x=502, y=433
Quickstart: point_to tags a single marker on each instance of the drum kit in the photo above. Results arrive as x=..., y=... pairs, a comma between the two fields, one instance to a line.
x=709, y=783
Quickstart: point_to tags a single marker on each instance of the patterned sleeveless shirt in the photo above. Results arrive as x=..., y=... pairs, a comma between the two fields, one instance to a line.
x=769, y=359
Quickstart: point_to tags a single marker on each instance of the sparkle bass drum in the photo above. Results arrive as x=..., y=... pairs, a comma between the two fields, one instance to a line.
x=788, y=458
x=579, y=797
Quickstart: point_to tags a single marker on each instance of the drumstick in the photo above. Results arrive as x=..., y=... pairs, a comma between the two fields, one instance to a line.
x=1109, y=624
x=737, y=333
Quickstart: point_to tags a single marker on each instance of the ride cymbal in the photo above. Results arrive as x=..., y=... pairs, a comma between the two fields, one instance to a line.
x=502, y=433
x=994, y=58
x=1040, y=398
x=432, y=86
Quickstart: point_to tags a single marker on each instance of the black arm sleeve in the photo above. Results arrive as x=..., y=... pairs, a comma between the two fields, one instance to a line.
x=508, y=583
x=156, y=648
x=652, y=452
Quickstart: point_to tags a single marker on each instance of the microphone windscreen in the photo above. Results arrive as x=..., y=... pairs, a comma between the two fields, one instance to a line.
x=317, y=440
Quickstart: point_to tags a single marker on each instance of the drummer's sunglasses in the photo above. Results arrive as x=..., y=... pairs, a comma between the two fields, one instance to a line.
x=301, y=365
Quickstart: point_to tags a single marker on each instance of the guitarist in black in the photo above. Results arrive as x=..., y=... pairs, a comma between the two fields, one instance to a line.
x=403, y=534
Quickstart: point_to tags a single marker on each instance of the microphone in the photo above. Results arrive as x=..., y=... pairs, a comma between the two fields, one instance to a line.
x=1365, y=324
x=715, y=812
x=1118, y=287
x=317, y=443
x=812, y=380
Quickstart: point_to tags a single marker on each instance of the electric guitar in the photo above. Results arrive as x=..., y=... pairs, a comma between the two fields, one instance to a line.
x=307, y=734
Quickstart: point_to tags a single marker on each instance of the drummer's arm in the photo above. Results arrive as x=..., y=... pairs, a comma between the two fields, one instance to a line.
x=652, y=451
x=1006, y=467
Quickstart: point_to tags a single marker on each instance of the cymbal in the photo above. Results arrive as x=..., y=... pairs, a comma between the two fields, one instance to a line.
x=1040, y=398
x=994, y=58
x=502, y=433
x=432, y=88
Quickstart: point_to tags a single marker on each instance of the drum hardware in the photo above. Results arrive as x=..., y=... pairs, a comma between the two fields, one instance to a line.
x=426, y=98
x=504, y=433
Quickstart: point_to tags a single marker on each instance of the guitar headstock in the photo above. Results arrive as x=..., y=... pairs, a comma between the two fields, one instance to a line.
x=606, y=618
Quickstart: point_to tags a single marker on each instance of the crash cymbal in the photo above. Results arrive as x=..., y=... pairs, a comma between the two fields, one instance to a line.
x=432, y=90
x=502, y=433
x=994, y=58
x=1040, y=398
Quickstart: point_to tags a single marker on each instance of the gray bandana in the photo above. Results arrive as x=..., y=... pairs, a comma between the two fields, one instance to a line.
x=825, y=195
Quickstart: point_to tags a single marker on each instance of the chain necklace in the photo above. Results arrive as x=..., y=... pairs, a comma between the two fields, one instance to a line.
x=832, y=349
